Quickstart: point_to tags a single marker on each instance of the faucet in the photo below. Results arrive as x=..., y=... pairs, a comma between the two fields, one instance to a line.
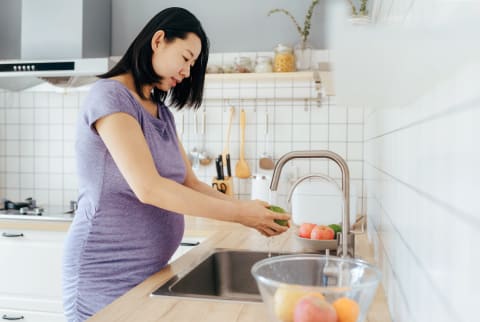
x=344, y=250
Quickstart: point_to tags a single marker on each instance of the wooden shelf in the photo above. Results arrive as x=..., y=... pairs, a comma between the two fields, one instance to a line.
x=300, y=76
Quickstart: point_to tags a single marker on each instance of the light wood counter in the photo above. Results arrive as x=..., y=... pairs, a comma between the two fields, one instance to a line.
x=138, y=305
x=35, y=224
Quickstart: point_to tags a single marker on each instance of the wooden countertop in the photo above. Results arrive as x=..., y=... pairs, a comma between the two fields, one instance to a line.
x=138, y=305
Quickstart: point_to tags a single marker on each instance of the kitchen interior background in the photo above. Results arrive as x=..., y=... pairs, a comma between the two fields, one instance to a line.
x=37, y=135
x=419, y=160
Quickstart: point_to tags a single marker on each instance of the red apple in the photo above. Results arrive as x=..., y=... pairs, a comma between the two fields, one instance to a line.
x=313, y=309
x=322, y=233
x=305, y=230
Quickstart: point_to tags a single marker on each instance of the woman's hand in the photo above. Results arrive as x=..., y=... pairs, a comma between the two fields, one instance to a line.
x=255, y=214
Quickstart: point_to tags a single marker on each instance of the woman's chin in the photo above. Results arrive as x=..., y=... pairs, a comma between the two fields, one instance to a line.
x=164, y=87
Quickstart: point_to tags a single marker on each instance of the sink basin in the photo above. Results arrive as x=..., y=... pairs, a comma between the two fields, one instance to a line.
x=223, y=275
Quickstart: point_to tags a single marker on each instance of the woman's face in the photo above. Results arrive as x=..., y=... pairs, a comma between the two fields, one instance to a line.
x=172, y=61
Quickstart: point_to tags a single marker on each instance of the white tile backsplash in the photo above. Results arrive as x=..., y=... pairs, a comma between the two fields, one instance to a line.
x=37, y=134
x=421, y=177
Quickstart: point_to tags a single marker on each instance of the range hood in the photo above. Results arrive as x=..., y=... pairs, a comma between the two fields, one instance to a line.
x=65, y=43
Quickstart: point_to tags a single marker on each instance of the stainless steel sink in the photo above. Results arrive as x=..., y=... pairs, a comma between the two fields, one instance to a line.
x=223, y=275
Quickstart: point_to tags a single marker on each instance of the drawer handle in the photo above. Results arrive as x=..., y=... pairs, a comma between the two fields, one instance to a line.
x=12, y=318
x=12, y=235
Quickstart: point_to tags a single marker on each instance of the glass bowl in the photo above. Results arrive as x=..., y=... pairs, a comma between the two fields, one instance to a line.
x=304, y=287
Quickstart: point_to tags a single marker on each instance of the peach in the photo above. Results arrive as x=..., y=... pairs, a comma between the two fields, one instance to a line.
x=313, y=309
x=322, y=233
x=305, y=230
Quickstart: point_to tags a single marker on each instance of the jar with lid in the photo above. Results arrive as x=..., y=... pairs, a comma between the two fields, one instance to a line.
x=284, y=60
x=242, y=64
x=263, y=64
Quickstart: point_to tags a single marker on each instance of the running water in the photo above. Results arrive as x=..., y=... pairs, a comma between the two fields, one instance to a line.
x=269, y=246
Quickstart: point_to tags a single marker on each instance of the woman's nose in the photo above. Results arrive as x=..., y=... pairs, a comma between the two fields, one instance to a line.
x=186, y=71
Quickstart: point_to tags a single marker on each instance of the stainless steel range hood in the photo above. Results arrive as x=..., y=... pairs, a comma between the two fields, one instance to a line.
x=65, y=43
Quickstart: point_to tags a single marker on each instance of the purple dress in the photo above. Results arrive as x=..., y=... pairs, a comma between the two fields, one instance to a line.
x=115, y=241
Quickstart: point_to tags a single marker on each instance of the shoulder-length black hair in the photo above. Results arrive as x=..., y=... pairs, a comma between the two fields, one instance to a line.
x=176, y=23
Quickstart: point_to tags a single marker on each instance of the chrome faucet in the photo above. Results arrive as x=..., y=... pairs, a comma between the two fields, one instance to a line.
x=345, y=248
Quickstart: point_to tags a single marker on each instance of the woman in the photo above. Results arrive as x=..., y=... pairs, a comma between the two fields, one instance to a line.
x=135, y=180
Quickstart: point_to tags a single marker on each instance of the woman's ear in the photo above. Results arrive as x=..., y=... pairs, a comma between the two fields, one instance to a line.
x=158, y=39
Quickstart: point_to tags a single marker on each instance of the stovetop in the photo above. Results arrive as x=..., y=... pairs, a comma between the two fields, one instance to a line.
x=28, y=209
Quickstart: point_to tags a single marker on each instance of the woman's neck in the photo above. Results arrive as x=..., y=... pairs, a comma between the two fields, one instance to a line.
x=147, y=103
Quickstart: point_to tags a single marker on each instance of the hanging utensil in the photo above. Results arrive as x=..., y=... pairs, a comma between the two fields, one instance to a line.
x=266, y=161
x=203, y=156
x=194, y=153
x=241, y=169
x=226, y=149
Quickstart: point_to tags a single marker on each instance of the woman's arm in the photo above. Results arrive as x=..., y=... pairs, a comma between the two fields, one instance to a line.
x=125, y=141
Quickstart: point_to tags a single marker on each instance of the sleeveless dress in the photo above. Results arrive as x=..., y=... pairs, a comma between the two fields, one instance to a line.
x=115, y=241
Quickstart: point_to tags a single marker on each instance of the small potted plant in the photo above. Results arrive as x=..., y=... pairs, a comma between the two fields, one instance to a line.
x=303, y=50
x=359, y=16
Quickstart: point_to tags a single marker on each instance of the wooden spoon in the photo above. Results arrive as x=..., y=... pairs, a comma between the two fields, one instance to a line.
x=241, y=168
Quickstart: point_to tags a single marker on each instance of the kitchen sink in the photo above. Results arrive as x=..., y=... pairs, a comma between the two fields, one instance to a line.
x=223, y=275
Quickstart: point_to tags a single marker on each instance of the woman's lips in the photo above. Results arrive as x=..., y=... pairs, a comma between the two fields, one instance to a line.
x=174, y=82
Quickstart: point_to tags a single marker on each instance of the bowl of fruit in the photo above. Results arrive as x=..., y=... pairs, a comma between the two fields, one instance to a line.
x=318, y=237
x=310, y=287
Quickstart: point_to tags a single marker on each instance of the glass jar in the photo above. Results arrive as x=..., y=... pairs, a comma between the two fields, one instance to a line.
x=284, y=60
x=263, y=64
x=242, y=65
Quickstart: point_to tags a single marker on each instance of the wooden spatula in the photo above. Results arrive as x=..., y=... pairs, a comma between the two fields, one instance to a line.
x=241, y=169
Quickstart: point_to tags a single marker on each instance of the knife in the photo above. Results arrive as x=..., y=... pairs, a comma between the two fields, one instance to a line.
x=220, y=162
x=217, y=166
x=229, y=169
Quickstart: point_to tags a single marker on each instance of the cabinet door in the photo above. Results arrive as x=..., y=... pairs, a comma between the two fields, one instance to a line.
x=30, y=316
x=30, y=274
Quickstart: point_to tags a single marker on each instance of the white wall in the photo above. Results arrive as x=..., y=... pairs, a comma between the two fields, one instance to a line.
x=422, y=174
x=422, y=157
x=231, y=26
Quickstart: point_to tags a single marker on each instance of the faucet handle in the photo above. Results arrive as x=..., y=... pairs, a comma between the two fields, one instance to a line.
x=359, y=226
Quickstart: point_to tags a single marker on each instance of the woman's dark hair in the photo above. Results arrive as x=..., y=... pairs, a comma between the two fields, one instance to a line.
x=176, y=23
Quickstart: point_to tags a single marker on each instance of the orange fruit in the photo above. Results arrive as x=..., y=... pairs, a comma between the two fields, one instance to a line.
x=347, y=309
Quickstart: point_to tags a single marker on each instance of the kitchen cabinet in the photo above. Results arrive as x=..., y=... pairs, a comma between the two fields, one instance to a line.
x=30, y=316
x=30, y=274
x=31, y=270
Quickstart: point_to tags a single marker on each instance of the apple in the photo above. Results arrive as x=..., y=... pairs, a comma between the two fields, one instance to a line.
x=322, y=233
x=313, y=309
x=305, y=230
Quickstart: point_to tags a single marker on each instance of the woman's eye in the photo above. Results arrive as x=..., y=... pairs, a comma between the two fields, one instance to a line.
x=185, y=58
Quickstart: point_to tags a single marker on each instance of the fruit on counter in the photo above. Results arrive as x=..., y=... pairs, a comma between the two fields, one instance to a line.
x=312, y=309
x=322, y=233
x=347, y=309
x=305, y=230
x=284, y=301
x=336, y=229
x=280, y=210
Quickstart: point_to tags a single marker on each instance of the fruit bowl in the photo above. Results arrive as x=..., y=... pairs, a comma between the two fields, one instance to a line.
x=316, y=288
x=315, y=244
x=309, y=244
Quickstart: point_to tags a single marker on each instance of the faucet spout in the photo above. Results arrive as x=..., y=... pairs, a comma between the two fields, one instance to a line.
x=344, y=250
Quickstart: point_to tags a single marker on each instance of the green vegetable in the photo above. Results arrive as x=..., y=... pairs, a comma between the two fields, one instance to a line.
x=336, y=228
x=276, y=209
x=281, y=222
x=279, y=210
